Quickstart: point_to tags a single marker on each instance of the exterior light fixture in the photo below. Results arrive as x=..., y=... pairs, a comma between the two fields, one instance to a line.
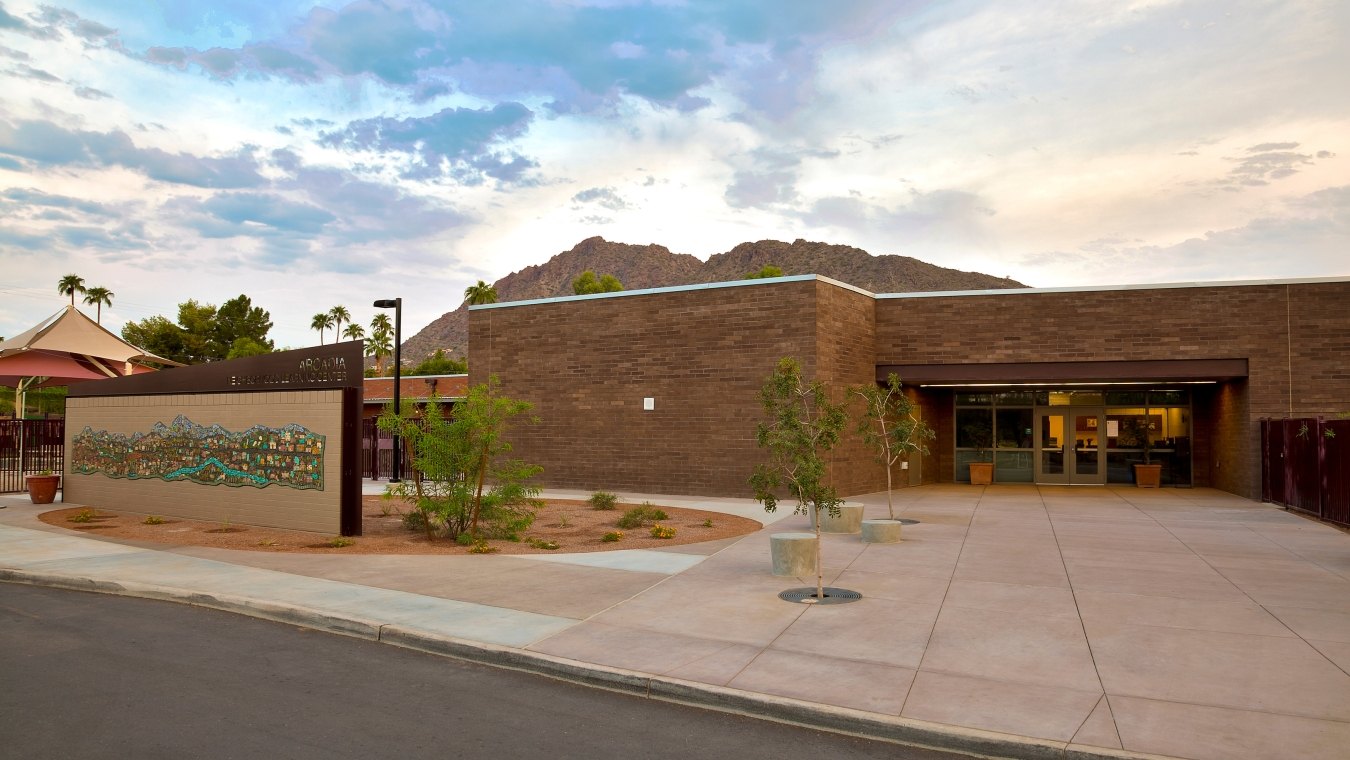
x=397, y=305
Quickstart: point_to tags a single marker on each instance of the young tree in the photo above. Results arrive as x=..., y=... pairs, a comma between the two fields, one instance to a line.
x=464, y=484
x=802, y=427
x=321, y=321
x=70, y=285
x=889, y=426
x=98, y=298
x=439, y=364
x=204, y=333
x=381, y=340
x=238, y=318
x=480, y=293
x=765, y=272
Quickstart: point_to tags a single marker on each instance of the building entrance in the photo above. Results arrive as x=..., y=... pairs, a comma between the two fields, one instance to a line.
x=1069, y=446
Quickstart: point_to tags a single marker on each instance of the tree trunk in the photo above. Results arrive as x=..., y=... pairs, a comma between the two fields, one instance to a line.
x=820, y=570
x=478, y=494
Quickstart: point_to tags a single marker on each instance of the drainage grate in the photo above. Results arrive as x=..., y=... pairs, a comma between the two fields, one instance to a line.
x=906, y=521
x=808, y=596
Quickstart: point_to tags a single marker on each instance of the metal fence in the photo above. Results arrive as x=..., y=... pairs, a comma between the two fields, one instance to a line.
x=1305, y=465
x=29, y=447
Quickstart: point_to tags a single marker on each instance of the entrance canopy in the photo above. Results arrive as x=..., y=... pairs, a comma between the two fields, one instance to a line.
x=1161, y=370
x=69, y=347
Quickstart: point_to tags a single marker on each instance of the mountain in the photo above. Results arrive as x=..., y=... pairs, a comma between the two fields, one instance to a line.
x=655, y=266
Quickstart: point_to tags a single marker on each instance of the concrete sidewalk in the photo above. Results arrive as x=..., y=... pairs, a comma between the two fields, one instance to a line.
x=1016, y=620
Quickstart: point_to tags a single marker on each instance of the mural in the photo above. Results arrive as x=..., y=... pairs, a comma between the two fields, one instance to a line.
x=290, y=456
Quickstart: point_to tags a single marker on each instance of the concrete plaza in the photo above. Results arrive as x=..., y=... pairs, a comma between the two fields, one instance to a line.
x=1024, y=620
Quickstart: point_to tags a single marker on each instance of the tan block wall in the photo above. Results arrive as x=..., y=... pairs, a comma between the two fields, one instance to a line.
x=587, y=365
x=1299, y=332
x=272, y=506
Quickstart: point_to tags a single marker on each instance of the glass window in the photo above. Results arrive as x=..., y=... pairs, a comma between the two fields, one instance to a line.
x=1060, y=398
x=1125, y=398
x=1167, y=398
x=1087, y=398
x=1014, y=428
x=974, y=399
x=1013, y=467
x=1014, y=399
x=974, y=428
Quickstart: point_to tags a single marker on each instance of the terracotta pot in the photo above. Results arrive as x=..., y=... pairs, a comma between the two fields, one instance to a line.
x=1147, y=475
x=42, y=488
x=981, y=473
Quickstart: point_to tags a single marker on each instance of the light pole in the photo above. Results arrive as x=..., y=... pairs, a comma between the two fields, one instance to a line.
x=397, y=305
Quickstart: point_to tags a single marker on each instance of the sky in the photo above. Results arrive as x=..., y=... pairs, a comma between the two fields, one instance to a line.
x=313, y=154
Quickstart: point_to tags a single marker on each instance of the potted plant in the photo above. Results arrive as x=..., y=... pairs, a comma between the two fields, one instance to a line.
x=981, y=435
x=802, y=427
x=891, y=429
x=1147, y=474
x=42, y=487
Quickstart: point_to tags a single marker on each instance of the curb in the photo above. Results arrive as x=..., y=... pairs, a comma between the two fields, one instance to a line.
x=841, y=720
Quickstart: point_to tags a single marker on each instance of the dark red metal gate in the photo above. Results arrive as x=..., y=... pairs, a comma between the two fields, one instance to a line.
x=42, y=443
x=1305, y=465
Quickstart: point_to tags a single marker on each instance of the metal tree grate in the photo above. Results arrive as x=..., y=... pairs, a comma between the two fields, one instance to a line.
x=808, y=596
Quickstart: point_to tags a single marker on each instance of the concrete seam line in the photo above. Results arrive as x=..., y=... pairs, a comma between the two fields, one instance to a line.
x=511, y=658
x=290, y=614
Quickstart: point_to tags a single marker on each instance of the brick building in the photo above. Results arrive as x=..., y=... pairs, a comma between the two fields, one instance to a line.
x=655, y=390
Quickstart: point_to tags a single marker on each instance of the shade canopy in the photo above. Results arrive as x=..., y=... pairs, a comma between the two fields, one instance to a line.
x=69, y=347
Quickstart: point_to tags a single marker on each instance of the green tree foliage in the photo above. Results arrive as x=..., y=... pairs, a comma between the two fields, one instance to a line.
x=339, y=315
x=70, y=285
x=321, y=321
x=802, y=427
x=465, y=483
x=354, y=331
x=98, y=298
x=765, y=272
x=204, y=333
x=587, y=283
x=381, y=343
x=889, y=426
x=439, y=364
x=480, y=293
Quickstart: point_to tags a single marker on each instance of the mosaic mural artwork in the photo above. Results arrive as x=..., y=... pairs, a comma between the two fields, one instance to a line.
x=290, y=456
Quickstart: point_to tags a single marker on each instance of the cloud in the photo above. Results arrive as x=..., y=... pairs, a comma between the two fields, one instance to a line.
x=90, y=93
x=267, y=209
x=768, y=177
x=17, y=197
x=451, y=140
x=50, y=145
x=605, y=197
x=25, y=71
x=947, y=215
x=1268, y=161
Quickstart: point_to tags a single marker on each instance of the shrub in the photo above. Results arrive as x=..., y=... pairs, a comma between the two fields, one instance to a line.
x=464, y=539
x=481, y=547
x=707, y=523
x=83, y=516
x=612, y=536
x=604, y=500
x=153, y=520
x=663, y=531
x=415, y=521
x=540, y=543
x=637, y=517
x=338, y=542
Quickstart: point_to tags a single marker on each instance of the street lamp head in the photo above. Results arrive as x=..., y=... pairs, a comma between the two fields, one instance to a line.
x=386, y=303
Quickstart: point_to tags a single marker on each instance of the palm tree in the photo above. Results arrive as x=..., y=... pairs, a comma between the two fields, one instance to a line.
x=354, y=332
x=480, y=293
x=70, y=285
x=381, y=340
x=99, y=297
x=322, y=321
x=339, y=315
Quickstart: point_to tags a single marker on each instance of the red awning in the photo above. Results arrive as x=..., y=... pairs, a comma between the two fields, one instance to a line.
x=57, y=366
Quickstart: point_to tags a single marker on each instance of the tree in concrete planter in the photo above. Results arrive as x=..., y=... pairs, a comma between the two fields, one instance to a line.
x=802, y=427
x=462, y=482
x=888, y=425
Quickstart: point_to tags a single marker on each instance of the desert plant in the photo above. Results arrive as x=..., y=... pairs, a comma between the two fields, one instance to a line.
x=603, y=500
x=888, y=425
x=803, y=425
x=464, y=539
x=466, y=484
x=153, y=520
x=563, y=522
x=612, y=536
x=83, y=516
x=663, y=531
x=640, y=516
x=339, y=542
x=267, y=542
x=542, y=543
x=480, y=546
x=708, y=523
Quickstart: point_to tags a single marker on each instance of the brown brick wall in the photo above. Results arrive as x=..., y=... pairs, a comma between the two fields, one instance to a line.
x=846, y=357
x=587, y=364
x=273, y=505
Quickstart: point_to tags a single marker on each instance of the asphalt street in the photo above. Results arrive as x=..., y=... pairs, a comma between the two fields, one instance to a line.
x=97, y=676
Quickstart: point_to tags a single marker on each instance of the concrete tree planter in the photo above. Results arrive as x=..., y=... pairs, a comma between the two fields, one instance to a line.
x=981, y=473
x=42, y=488
x=849, y=519
x=794, y=554
x=881, y=531
x=1148, y=475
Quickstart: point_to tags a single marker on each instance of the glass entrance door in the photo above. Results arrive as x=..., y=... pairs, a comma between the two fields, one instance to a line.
x=1070, y=445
